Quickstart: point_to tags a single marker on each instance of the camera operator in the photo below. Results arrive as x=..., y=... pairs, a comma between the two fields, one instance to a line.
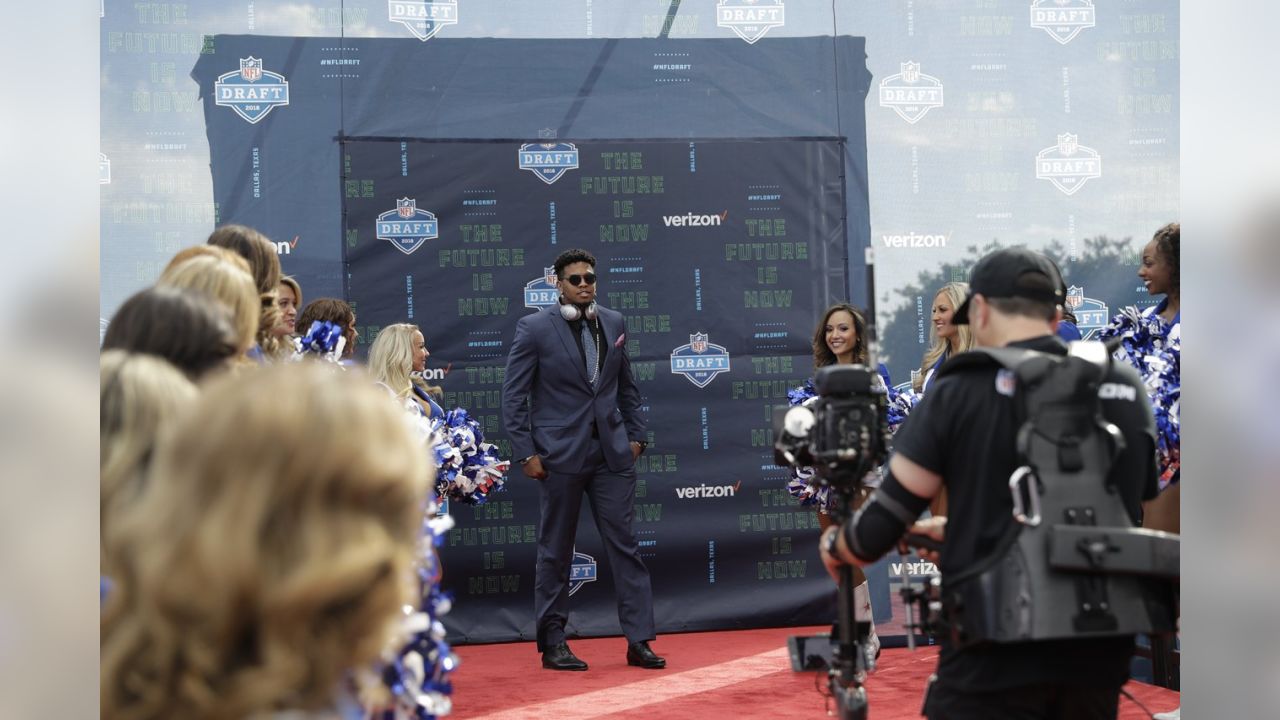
x=963, y=436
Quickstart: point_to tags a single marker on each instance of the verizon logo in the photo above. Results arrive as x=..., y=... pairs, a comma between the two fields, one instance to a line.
x=284, y=247
x=914, y=240
x=708, y=491
x=903, y=569
x=691, y=220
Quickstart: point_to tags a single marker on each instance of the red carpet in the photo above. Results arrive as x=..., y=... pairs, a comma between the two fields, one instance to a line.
x=738, y=674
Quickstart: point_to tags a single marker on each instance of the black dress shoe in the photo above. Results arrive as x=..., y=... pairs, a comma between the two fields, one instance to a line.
x=560, y=657
x=639, y=654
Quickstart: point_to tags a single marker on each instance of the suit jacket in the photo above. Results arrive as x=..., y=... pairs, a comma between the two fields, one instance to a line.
x=548, y=405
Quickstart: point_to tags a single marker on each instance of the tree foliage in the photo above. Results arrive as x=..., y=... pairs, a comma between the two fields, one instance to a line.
x=1106, y=268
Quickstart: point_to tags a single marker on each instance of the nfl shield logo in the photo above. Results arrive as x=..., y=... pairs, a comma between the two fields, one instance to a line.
x=1075, y=297
x=1006, y=382
x=1092, y=315
x=549, y=161
x=700, y=360
x=251, y=69
x=407, y=227
x=750, y=19
x=1063, y=19
x=911, y=93
x=1068, y=165
x=252, y=91
x=582, y=571
x=541, y=291
x=423, y=18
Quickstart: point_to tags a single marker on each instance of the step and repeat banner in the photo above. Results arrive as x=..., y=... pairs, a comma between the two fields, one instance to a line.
x=729, y=162
x=717, y=252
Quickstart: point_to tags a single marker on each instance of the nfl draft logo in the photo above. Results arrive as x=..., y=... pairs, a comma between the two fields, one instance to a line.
x=1091, y=315
x=700, y=361
x=542, y=292
x=582, y=571
x=1068, y=165
x=251, y=91
x=1063, y=19
x=911, y=93
x=407, y=227
x=104, y=170
x=424, y=19
x=750, y=19
x=549, y=161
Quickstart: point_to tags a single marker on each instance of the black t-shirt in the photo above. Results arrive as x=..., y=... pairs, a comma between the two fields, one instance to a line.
x=964, y=430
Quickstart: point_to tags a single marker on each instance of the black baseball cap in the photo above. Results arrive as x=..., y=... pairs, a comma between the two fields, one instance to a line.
x=1013, y=272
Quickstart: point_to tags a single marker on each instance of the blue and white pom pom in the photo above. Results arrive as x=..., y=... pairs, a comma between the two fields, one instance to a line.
x=804, y=485
x=323, y=340
x=416, y=672
x=902, y=400
x=469, y=467
x=1146, y=345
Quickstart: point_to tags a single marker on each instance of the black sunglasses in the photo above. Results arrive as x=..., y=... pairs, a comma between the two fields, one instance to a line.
x=589, y=278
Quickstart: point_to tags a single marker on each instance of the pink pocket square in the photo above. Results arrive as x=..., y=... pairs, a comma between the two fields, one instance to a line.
x=621, y=339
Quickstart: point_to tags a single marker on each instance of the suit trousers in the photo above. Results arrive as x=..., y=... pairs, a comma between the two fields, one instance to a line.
x=612, y=498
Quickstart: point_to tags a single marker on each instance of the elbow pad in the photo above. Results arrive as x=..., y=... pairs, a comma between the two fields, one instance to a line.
x=882, y=520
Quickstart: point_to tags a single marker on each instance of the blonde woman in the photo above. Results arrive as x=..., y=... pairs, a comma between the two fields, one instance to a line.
x=212, y=251
x=289, y=301
x=264, y=266
x=947, y=339
x=396, y=355
x=269, y=556
x=224, y=282
x=139, y=395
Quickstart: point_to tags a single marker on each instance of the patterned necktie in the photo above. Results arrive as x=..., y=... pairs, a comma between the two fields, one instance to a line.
x=592, y=353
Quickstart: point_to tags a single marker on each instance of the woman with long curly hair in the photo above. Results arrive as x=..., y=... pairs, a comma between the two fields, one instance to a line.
x=264, y=265
x=840, y=338
x=270, y=553
x=334, y=311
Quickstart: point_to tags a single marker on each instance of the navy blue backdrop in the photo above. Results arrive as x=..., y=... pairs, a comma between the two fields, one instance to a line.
x=721, y=231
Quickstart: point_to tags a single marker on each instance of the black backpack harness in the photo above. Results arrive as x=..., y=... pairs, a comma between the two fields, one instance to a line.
x=1071, y=564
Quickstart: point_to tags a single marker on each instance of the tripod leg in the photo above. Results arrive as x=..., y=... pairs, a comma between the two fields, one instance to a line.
x=862, y=613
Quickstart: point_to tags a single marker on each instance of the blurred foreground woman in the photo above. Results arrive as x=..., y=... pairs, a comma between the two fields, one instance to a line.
x=270, y=553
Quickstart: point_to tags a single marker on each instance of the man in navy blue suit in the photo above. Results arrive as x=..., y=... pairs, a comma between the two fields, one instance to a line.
x=572, y=410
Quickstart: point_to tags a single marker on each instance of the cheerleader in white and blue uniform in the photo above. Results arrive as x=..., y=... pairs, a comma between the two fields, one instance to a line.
x=415, y=678
x=946, y=339
x=1151, y=341
x=397, y=359
x=838, y=339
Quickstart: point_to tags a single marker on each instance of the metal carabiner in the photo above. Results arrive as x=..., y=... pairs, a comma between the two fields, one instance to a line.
x=1033, y=495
